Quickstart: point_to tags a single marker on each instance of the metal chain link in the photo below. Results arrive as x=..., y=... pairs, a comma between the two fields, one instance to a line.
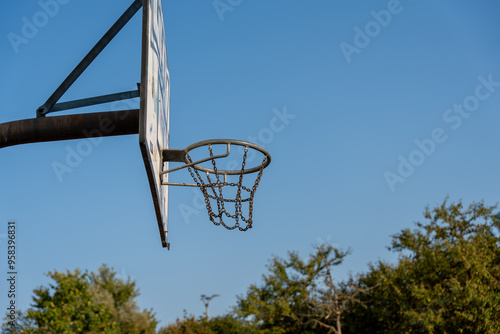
x=216, y=190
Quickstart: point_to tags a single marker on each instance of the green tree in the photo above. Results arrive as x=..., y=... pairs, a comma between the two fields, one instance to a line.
x=333, y=299
x=69, y=306
x=80, y=302
x=298, y=296
x=119, y=296
x=20, y=324
x=227, y=324
x=447, y=279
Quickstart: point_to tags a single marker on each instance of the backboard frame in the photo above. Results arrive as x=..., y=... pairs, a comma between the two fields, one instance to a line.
x=154, y=115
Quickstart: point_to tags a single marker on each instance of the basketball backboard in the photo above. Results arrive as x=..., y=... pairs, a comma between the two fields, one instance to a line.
x=154, y=113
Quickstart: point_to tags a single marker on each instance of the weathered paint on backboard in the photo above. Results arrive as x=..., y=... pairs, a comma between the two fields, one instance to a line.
x=154, y=115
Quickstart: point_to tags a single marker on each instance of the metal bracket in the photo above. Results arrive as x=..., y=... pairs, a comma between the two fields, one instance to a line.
x=181, y=156
x=175, y=155
x=48, y=106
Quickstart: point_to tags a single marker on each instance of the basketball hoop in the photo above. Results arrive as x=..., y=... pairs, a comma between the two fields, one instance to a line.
x=213, y=187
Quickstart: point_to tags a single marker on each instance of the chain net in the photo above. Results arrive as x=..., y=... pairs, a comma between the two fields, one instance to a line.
x=212, y=191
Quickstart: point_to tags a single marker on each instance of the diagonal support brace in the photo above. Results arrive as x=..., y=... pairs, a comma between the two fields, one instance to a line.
x=88, y=59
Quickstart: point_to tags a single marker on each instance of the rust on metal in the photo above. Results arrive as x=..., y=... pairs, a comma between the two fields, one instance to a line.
x=101, y=124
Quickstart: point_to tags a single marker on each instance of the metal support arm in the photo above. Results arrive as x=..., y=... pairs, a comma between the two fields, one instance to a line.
x=95, y=100
x=102, y=124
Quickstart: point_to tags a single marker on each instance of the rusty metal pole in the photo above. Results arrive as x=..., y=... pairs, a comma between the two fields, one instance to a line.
x=102, y=124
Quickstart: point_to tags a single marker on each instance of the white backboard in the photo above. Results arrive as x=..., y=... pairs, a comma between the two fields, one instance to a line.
x=154, y=114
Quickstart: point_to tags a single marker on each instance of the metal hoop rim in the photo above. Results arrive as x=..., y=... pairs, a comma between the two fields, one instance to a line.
x=230, y=142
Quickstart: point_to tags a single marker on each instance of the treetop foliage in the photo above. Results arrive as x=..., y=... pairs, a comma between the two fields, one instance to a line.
x=83, y=302
x=446, y=280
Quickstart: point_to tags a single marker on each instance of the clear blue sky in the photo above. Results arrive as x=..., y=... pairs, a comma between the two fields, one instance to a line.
x=360, y=103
